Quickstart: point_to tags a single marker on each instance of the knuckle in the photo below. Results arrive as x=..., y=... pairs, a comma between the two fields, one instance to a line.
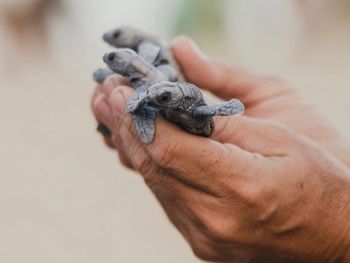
x=217, y=228
x=252, y=196
x=96, y=93
x=152, y=182
x=109, y=143
x=221, y=126
x=96, y=102
x=153, y=179
x=125, y=161
x=127, y=120
x=258, y=195
x=142, y=161
x=218, y=233
x=164, y=153
x=225, y=127
x=205, y=252
x=261, y=199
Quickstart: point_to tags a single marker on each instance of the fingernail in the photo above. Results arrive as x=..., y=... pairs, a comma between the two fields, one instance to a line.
x=103, y=109
x=118, y=101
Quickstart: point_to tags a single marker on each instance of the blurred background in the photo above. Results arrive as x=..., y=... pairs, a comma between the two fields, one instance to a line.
x=63, y=196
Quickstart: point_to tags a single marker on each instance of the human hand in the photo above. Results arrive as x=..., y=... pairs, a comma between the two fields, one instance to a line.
x=264, y=97
x=278, y=174
x=255, y=192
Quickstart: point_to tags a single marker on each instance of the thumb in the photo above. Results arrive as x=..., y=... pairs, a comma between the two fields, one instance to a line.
x=210, y=74
x=223, y=80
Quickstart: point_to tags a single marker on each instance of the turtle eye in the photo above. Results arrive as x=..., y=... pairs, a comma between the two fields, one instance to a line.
x=164, y=97
x=116, y=34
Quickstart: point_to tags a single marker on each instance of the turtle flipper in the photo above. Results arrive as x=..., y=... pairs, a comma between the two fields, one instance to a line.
x=101, y=75
x=223, y=109
x=169, y=71
x=149, y=51
x=136, y=101
x=145, y=123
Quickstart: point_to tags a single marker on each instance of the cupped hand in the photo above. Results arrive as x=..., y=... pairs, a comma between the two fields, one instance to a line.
x=256, y=192
x=264, y=97
x=268, y=187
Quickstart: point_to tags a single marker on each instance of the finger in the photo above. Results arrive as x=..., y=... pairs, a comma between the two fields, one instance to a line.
x=254, y=135
x=113, y=82
x=223, y=80
x=106, y=89
x=179, y=200
x=104, y=116
x=194, y=159
x=110, y=84
x=97, y=93
x=106, y=137
x=102, y=111
x=119, y=145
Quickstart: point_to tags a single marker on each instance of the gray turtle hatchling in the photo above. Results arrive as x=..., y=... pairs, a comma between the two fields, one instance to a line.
x=180, y=103
x=150, y=48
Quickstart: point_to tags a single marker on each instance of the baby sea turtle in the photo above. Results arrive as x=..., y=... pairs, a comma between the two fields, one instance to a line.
x=179, y=103
x=182, y=104
x=150, y=48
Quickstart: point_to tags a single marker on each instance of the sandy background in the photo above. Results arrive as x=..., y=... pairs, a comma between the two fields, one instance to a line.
x=63, y=195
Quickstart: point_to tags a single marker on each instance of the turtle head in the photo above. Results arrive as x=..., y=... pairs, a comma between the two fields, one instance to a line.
x=163, y=95
x=119, y=60
x=123, y=37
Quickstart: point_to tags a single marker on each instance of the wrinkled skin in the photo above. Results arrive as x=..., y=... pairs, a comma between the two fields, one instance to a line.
x=272, y=186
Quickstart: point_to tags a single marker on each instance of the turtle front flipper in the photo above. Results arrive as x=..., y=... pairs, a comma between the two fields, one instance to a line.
x=137, y=100
x=101, y=75
x=145, y=123
x=169, y=71
x=232, y=107
x=149, y=51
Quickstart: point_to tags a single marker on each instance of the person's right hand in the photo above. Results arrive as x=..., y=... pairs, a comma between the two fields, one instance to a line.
x=312, y=186
x=255, y=192
x=264, y=98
